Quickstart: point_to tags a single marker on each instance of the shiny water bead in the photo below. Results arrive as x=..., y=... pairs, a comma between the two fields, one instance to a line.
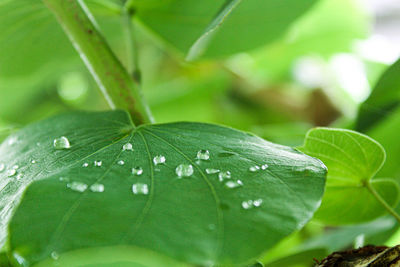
x=2, y=167
x=137, y=171
x=254, y=168
x=140, y=189
x=97, y=188
x=203, y=154
x=184, y=170
x=19, y=176
x=33, y=161
x=249, y=204
x=54, y=255
x=11, y=172
x=127, y=147
x=233, y=184
x=224, y=175
x=212, y=171
x=61, y=143
x=264, y=166
x=84, y=165
x=98, y=163
x=77, y=186
x=121, y=162
x=159, y=159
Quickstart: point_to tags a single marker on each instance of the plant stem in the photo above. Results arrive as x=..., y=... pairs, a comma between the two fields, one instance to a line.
x=131, y=45
x=114, y=81
x=382, y=201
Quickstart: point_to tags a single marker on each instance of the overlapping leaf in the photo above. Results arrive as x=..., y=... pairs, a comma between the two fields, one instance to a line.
x=203, y=218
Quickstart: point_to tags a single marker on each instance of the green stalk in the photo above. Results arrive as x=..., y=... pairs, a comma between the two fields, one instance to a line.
x=117, y=86
x=382, y=201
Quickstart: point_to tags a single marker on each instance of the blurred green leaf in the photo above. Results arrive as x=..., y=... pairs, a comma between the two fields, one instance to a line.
x=217, y=212
x=384, y=99
x=251, y=24
x=4, y=262
x=353, y=160
x=299, y=259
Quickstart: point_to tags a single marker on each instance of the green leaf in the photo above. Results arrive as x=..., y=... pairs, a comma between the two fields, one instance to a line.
x=195, y=219
x=384, y=99
x=4, y=262
x=353, y=160
x=251, y=24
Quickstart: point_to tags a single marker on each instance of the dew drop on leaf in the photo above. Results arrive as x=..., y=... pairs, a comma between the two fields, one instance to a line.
x=77, y=186
x=98, y=163
x=2, y=167
x=264, y=166
x=203, y=154
x=19, y=176
x=137, y=171
x=84, y=165
x=33, y=161
x=257, y=202
x=140, y=189
x=211, y=171
x=97, y=188
x=233, y=184
x=121, y=162
x=11, y=172
x=159, y=159
x=127, y=147
x=61, y=143
x=184, y=170
x=254, y=168
x=54, y=255
x=224, y=175
x=249, y=204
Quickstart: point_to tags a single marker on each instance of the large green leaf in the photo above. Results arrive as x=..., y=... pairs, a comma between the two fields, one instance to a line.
x=353, y=160
x=250, y=24
x=196, y=219
x=384, y=99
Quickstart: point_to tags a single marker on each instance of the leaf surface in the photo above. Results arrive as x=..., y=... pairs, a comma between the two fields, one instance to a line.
x=353, y=160
x=250, y=24
x=73, y=203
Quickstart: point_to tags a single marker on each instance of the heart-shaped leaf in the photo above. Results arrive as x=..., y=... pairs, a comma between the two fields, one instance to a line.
x=195, y=192
x=353, y=160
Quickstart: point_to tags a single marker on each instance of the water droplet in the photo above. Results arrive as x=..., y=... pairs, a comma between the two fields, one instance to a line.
x=98, y=163
x=98, y=188
x=224, y=175
x=12, y=141
x=137, y=171
x=254, y=168
x=140, y=189
x=159, y=159
x=77, y=186
x=11, y=172
x=62, y=179
x=33, y=161
x=20, y=259
x=211, y=171
x=249, y=204
x=127, y=147
x=121, y=162
x=257, y=202
x=15, y=167
x=203, y=154
x=54, y=255
x=19, y=176
x=2, y=167
x=84, y=165
x=264, y=166
x=233, y=184
x=61, y=143
x=184, y=170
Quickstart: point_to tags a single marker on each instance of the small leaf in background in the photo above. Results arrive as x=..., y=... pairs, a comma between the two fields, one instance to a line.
x=353, y=160
x=251, y=24
x=196, y=209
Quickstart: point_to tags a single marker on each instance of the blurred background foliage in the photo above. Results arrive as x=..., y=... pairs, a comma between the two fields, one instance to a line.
x=276, y=81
